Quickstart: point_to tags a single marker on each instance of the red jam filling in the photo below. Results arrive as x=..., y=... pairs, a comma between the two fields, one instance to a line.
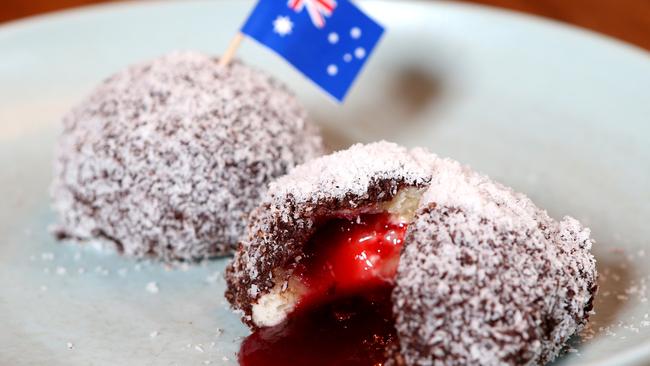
x=345, y=317
x=345, y=257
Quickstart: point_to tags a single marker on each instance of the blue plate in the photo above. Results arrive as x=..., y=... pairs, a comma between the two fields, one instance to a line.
x=559, y=113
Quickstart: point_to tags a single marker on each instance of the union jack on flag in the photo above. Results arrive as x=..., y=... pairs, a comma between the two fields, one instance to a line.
x=317, y=9
x=329, y=44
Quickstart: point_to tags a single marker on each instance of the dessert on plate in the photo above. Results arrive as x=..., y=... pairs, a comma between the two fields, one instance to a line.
x=166, y=159
x=383, y=255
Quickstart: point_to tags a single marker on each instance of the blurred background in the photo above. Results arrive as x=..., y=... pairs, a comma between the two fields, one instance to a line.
x=627, y=20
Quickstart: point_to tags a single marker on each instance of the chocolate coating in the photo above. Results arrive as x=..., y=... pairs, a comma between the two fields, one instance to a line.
x=167, y=158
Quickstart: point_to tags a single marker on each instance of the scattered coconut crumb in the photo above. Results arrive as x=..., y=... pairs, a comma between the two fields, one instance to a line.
x=61, y=271
x=153, y=334
x=213, y=277
x=624, y=291
x=152, y=287
x=198, y=348
x=70, y=345
x=47, y=256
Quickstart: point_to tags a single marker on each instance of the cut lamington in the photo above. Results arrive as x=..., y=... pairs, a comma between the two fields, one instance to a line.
x=478, y=274
x=365, y=179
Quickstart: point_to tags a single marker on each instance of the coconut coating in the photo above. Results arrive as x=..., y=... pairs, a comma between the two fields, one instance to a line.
x=342, y=184
x=485, y=277
x=166, y=159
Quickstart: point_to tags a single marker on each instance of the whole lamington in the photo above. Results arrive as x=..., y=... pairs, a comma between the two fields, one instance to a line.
x=166, y=159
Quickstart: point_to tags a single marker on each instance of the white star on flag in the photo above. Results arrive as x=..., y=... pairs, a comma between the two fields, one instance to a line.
x=282, y=25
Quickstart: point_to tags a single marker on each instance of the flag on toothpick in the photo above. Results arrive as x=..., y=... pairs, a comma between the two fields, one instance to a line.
x=327, y=40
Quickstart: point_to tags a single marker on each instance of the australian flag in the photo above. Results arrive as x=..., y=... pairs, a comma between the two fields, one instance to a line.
x=327, y=40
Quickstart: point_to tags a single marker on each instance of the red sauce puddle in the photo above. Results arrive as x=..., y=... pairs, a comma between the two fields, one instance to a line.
x=345, y=318
x=353, y=331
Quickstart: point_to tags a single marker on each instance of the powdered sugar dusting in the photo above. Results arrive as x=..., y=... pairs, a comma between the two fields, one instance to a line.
x=349, y=172
x=456, y=185
x=165, y=159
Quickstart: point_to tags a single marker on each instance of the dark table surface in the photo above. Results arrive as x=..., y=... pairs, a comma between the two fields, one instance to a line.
x=627, y=20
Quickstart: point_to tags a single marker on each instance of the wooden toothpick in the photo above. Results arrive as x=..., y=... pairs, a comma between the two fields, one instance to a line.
x=232, y=49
